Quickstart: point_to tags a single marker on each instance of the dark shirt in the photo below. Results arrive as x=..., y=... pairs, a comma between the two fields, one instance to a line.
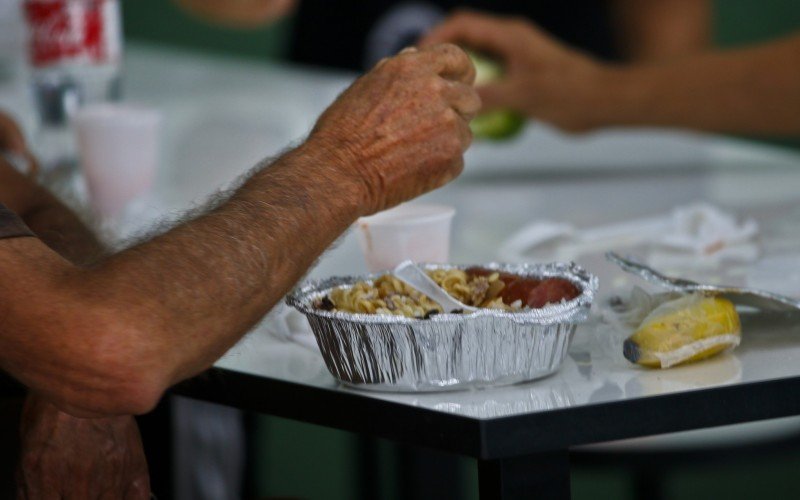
x=354, y=34
x=11, y=226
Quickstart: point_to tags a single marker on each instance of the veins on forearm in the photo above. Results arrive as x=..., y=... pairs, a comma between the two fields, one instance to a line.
x=204, y=283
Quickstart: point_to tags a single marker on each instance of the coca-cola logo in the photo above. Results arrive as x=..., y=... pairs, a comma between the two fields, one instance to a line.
x=66, y=30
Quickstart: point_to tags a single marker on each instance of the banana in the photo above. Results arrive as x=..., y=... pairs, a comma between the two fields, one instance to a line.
x=687, y=329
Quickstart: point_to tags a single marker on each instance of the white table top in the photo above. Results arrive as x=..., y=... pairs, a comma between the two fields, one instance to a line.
x=594, y=371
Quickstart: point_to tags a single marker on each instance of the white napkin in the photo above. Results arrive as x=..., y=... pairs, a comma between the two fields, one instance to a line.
x=704, y=229
x=695, y=232
x=288, y=324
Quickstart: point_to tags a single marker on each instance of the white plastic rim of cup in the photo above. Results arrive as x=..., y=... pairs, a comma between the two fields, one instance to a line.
x=420, y=232
x=119, y=147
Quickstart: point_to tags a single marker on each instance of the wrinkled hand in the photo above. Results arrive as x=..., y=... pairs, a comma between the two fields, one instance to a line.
x=544, y=79
x=71, y=458
x=402, y=128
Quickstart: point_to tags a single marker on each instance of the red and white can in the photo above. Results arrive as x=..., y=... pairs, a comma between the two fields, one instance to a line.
x=83, y=32
x=74, y=50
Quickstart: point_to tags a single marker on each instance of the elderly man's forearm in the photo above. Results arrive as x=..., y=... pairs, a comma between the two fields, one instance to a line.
x=229, y=266
x=166, y=309
x=754, y=90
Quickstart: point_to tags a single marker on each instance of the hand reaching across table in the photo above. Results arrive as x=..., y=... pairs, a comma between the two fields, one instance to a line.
x=748, y=90
x=543, y=78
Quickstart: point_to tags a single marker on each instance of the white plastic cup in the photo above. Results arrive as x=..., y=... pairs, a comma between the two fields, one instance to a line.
x=418, y=232
x=118, y=146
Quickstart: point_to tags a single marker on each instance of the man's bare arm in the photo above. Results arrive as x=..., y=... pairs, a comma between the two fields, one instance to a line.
x=58, y=450
x=109, y=339
x=657, y=30
x=755, y=90
x=238, y=14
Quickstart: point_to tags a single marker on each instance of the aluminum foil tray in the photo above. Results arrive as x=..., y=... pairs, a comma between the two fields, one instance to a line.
x=448, y=351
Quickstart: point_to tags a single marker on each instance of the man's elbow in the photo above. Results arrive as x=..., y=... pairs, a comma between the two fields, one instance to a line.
x=118, y=373
x=133, y=381
x=136, y=394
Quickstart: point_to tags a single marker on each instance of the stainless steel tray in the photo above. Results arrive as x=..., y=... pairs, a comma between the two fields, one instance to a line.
x=448, y=351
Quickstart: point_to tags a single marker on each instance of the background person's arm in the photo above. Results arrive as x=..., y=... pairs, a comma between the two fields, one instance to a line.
x=753, y=90
x=653, y=30
x=238, y=13
x=109, y=339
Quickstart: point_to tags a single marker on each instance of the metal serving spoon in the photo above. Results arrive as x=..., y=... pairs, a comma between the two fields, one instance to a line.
x=413, y=276
x=759, y=299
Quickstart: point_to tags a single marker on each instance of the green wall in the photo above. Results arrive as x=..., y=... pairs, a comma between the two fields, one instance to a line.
x=305, y=461
x=747, y=21
x=162, y=22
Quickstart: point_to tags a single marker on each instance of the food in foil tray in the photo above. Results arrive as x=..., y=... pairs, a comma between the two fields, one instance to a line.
x=476, y=287
x=510, y=338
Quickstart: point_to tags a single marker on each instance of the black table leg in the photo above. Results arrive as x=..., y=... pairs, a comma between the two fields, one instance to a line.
x=544, y=476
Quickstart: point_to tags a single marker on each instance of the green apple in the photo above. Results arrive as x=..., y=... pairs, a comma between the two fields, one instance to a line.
x=498, y=124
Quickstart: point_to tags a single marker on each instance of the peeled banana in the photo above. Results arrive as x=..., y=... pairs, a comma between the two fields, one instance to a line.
x=687, y=329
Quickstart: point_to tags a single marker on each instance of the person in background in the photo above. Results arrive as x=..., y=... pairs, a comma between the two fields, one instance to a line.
x=609, y=29
x=96, y=338
x=753, y=90
x=577, y=65
x=242, y=14
x=353, y=34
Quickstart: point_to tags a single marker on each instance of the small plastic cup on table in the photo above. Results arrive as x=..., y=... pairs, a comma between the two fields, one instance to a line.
x=420, y=232
x=119, y=148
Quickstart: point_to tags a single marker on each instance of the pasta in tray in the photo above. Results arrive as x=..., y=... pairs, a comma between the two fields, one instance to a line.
x=388, y=295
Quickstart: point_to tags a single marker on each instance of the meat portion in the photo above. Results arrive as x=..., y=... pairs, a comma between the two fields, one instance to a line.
x=532, y=292
x=552, y=290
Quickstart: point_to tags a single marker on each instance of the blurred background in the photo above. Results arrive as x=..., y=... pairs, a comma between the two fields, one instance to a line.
x=299, y=460
x=736, y=22
x=288, y=459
